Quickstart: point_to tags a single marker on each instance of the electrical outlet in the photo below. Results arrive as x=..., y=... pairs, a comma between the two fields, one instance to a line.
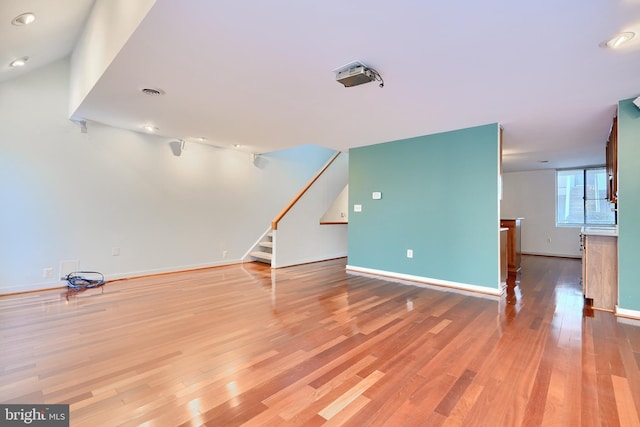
x=47, y=273
x=115, y=251
x=409, y=253
x=224, y=254
x=548, y=239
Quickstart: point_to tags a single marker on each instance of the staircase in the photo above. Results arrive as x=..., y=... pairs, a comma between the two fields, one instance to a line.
x=265, y=252
x=264, y=249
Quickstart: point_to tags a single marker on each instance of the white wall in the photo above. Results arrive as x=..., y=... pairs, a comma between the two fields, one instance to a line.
x=532, y=195
x=300, y=238
x=109, y=26
x=339, y=210
x=72, y=196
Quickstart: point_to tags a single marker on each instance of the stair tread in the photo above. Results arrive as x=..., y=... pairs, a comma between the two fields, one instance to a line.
x=266, y=244
x=270, y=234
x=261, y=255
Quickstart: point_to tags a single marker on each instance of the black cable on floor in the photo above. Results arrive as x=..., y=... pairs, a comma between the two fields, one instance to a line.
x=84, y=279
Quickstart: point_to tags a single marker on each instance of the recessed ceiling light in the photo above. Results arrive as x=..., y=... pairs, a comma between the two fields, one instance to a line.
x=150, y=128
x=20, y=62
x=152, y=92
x=24, y=19
x=237, y=145
x=618, y=40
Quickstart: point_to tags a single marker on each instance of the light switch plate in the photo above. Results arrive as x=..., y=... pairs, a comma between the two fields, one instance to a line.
x=376, y=195
x=357, y=208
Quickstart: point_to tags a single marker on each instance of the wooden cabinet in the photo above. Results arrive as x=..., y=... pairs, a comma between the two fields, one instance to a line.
x=600, y=270
x=612, y=163
x=513, y=243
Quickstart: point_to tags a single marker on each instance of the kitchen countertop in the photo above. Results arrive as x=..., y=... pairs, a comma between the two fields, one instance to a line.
x=600, y=230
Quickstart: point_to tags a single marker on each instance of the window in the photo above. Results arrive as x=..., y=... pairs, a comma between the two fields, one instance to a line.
x=579, y=204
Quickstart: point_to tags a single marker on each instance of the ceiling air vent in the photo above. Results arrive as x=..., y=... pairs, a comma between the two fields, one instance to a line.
x=152, y=92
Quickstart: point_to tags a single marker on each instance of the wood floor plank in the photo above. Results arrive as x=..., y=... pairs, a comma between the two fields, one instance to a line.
x=460, y=411
x=589, y=413
x=344, y=415
x=455, y=393
x=630, y=361
x=350, y=395
x=627, y=410
x=314, y=345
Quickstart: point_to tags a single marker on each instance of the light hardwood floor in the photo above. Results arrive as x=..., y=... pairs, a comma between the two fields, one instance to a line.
x=313, y=345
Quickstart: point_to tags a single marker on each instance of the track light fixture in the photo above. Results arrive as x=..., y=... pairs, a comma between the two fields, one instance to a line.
x=177, y=147
x=82, y=123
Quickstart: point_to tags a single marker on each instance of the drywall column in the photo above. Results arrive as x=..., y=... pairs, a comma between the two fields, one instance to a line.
x=436, y=195
x=628, y=208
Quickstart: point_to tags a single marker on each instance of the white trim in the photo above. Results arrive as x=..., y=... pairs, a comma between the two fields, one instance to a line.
x=623, y=312
x=274, y=245
x=177, y=269
x=246, y=256
x=476, y=289
x=111, y=277
x=32, y=287
x=314, y=259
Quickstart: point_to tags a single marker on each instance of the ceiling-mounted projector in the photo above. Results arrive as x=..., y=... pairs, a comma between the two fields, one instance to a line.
x=355, y=75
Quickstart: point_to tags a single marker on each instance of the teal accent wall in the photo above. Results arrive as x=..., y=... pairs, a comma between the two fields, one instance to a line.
x=439, y=198
x=628, y=205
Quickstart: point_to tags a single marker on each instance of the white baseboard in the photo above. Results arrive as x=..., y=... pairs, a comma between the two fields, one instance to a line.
x=60, y=284
x=475, y=289
x=312, y=259
x=178, y=269
x=32, y=287
x=631, y=314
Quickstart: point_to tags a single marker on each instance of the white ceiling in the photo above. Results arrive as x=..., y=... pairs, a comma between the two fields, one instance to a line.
x=52, y=36
x=260, y=74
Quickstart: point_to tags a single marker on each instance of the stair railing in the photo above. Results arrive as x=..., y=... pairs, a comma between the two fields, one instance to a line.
x=276, y=220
